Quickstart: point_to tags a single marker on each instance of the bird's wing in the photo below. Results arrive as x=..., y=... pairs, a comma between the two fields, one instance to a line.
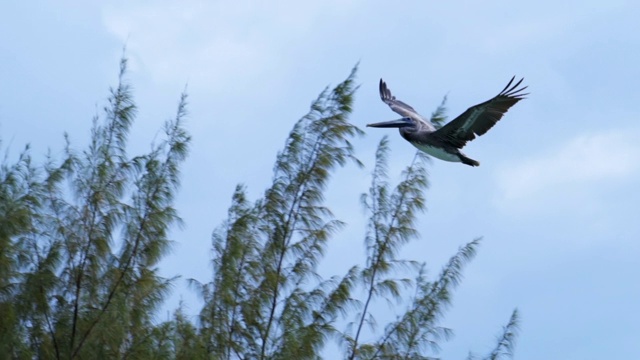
x=397, y=105
x=478, y=119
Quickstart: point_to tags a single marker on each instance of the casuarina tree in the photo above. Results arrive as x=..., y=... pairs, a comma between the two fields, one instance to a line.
x=82, y=234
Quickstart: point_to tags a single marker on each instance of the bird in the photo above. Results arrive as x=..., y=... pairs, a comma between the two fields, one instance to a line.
x=446, y=142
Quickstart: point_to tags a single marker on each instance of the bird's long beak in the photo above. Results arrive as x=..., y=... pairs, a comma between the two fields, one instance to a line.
x=404, y=122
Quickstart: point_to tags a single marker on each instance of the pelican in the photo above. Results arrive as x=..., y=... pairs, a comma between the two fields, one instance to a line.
x=445, y=143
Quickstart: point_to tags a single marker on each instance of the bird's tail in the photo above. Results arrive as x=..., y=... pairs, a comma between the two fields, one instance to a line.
x=468, y=161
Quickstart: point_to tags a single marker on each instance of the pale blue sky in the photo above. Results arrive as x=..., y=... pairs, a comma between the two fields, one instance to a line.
x=555, y=198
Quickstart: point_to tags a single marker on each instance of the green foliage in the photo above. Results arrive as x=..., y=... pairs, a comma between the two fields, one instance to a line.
x=506, y=342
x=81, y=238
x=439, y=116
x=391, y=225
x=259, y=303
x=266, y=300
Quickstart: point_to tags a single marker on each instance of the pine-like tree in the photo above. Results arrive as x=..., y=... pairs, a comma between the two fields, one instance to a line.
x=81, y=238
x=266, y=301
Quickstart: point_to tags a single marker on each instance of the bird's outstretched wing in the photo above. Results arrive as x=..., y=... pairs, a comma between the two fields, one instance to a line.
x=478, y=119
x=397, y=105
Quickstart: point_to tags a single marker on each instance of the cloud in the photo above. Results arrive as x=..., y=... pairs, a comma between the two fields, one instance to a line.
x=213, y=42
x=586, y=162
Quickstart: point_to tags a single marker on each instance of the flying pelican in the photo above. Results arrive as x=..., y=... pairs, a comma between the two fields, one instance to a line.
x=445, y=143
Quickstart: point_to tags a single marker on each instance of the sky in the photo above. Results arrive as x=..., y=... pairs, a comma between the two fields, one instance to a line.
x=555, y=198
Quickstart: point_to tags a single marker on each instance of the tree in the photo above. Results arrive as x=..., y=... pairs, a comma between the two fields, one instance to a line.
x=81, y=237
x=265, y=299
x=81, y=240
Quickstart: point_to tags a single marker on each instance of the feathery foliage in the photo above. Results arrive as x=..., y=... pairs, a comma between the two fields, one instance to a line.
x=265, y=299
x=81, y=238
x=391, y=225
x=506, y=341
x=439, y=116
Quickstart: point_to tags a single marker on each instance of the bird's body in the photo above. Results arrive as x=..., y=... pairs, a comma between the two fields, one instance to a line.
x=445, y=143
x=439, y=152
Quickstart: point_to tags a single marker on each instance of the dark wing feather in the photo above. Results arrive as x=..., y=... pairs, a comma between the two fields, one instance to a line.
x=396, y=105
x=478, y=119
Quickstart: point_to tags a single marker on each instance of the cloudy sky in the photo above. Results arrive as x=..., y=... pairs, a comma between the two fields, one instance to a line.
x=555, y=198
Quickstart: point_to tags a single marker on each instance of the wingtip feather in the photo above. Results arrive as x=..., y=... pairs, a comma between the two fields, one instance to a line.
x=509, y=84
x=513, y=91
